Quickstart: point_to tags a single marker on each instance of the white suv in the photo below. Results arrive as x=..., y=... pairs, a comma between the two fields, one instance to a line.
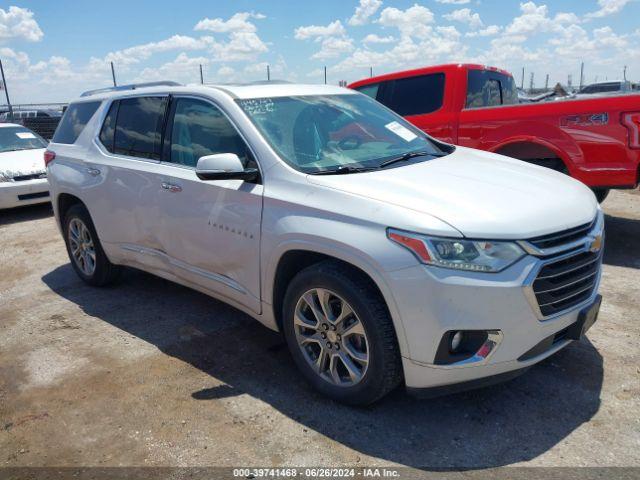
x=382, y=254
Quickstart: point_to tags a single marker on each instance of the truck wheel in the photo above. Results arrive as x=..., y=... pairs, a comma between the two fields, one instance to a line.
x=85, y=251
x=340, y=334
x=601, y=194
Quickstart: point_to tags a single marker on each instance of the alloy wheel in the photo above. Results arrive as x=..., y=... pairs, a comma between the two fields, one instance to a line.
x=82, y=247
x=331, y=337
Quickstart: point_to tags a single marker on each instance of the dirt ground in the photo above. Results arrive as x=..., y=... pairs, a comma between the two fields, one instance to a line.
x=150, y=373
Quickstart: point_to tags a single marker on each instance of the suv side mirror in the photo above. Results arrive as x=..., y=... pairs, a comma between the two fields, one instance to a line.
x=224, y=166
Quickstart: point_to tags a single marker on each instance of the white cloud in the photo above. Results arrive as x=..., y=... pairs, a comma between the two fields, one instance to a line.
x=607, y=7
x=237, y=23
x=414, y=21
x=464, y=15
x=364, y=11
x=258, y=71
x=243, y=42
x=373, y=38
x=442, y=45
x=182, y=69
x=317, y=31
x=138, y=53
x=241, y=46
x=333, y=38
x=333, y=47
x=490, y=31
x=225, y=72
x=454, y=2
x=535, y=19
x=18, y=23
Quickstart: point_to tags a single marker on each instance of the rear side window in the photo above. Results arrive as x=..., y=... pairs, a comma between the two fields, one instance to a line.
x=109, y=127
x=139, y=126
x=73, y=121
x=486, y=88
x=415, y=95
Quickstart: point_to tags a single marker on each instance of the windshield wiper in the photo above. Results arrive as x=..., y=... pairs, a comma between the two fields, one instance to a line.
x=343, y=170
x=410, y=155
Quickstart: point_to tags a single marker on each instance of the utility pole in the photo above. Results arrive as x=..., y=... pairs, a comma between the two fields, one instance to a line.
x=201, y=76
x=624, y=73
x=581, y=75
x=569, y=80
x=522, y=82
x=6, y=92
x=113, y=74
x=325, y=75
x=546, y=83
x=268, y=74
x=531, y=82
x=371, y=72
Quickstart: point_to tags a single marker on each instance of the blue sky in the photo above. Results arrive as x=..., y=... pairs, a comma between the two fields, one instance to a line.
x=54, y=50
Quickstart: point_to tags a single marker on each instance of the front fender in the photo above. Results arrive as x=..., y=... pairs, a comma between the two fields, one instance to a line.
x=340, y=251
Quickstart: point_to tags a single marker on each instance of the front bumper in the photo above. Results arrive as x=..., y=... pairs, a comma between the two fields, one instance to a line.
x=28, y=192
x=451, y=300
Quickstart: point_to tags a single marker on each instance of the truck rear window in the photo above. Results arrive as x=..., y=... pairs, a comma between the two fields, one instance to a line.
x=486, y=88
x=73, y=121
x=417, y=95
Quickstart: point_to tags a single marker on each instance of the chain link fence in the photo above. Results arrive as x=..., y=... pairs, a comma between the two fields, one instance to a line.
x=42, y=118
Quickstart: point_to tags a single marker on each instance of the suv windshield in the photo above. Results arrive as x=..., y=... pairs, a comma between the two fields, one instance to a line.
x=19, y=138
x=341, y=133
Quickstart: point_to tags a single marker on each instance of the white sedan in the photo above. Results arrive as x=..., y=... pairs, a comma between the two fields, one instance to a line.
x=23, y=177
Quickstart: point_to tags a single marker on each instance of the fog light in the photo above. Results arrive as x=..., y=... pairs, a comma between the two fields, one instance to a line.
x=456, y=340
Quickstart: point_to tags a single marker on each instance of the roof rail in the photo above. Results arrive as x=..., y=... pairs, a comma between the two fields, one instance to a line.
x=246, y=84
x=132, y=86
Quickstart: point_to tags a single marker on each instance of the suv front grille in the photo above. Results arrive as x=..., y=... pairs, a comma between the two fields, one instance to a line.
x=561, y=238
x=565, y=283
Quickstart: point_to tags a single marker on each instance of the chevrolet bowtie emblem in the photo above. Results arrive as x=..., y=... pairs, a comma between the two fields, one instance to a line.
x=596, y=244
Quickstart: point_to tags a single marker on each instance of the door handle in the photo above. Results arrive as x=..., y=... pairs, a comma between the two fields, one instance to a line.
x=94, y=172
x=172, y=188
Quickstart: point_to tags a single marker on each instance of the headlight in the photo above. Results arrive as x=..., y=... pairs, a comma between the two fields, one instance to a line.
x=460, y=254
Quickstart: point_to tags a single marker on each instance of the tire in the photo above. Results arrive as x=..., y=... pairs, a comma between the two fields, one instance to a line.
x=90, y=262
x=382, y=371
x=601, y=194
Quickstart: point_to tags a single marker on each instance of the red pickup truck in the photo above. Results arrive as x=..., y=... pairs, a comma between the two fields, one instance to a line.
x=594, y=140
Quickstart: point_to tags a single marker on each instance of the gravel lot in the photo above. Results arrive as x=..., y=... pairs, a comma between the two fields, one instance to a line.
x=150, y=373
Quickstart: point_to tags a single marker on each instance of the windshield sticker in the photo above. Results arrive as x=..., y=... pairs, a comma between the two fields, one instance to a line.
x=25, y=135
x=258, y=106
x=401, y=131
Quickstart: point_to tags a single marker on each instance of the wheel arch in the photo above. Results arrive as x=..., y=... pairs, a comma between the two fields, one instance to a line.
x=294, y=259
x=63, y=202
x=527, y=148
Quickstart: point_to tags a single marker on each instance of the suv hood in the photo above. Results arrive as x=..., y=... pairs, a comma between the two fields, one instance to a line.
x=22, y=162
x=483, y=195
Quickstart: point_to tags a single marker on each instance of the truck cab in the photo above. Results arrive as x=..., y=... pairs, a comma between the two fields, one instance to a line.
x=596, y=140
